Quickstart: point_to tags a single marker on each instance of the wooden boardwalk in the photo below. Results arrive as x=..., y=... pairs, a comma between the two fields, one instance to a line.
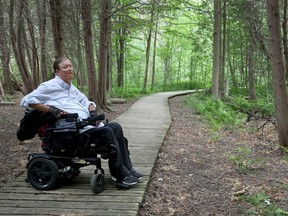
x=145, y=125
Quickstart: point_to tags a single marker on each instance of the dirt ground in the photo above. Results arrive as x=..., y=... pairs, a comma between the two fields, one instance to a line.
x=193, y=175
x=199, y=172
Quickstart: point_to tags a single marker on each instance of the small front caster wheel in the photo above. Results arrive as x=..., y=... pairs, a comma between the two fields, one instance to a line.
x=97, y=183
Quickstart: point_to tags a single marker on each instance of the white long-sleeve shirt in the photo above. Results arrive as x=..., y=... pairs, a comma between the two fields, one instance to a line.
x=59, y=94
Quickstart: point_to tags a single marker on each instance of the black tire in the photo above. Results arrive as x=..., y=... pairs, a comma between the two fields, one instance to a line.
x=42, y=173
x=97, y=183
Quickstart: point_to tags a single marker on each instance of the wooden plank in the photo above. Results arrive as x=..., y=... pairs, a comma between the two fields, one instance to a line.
x=68, y=204
x=68, y=191
x=124, y=198
x=71, y=211
x=83, y=184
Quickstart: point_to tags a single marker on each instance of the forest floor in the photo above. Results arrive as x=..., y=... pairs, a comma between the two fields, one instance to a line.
x=198, y=172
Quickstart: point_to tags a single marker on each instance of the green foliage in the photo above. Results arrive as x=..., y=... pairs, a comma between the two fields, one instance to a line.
x=136, y=92
x=127, y=93
x=260, y=106
x=7, y=98
x=230, y=112
x=215, y=111
x=285, y=152
x=173, y=86
x=262, y=205
x=244, y=160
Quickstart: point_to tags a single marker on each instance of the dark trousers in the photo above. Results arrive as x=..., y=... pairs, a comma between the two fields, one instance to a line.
x=112, y=133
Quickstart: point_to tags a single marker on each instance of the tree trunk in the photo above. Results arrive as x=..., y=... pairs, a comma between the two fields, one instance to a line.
x=191, y=67
x=5, y=55
x=254, y=27
x=81, y=75
x=120, y=77
x=34, y=54
x=57, y=29
x=17, y=43
x=166, y=72
x=230, y=64
x=178, y=76
x=150, y=28
x=216, y=48
x=284, y=29
x=251, y=79
x=109, y=57
x=223, y=85
x=278, y=71
x=103, y=53
x=90, y=65
x=41, y=11
x=147, y=61
x=120, y=51
x=154, y=54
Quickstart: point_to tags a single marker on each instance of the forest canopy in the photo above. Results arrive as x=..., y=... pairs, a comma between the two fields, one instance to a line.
x=145, y=45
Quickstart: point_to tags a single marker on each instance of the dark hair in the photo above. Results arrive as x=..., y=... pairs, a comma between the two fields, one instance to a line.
x=57, y=62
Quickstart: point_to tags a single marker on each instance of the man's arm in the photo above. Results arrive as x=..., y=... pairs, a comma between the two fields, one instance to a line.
x=41, y=107
x=46, y=109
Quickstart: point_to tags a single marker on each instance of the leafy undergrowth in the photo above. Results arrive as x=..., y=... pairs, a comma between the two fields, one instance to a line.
x=235, y=170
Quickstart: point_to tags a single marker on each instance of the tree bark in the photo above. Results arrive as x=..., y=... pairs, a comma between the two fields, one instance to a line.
x=120, y=51
x=154, y=54
x=17, y=43
x=254, y=27
x=34, y=63
x=284, y=29
x=278, y=71
x=57, y=26
x=147, y=61
x=251, y=79
x=150, y=28
x=222, y=83
x=103, y=53
x=5, y=54
x=109, y=51
x=90, y=64
x=41, y=11
x=216, y=48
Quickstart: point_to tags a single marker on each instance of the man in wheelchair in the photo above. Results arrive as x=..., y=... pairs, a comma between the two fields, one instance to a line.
x=59, y=98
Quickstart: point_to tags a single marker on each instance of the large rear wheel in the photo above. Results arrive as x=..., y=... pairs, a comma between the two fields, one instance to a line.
x=42, y=173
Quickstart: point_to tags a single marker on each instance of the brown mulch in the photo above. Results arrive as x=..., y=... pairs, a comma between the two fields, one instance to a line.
x=193, y=175
x=199, y=172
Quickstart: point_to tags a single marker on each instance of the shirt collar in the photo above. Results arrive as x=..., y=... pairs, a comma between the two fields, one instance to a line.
x=62, y=83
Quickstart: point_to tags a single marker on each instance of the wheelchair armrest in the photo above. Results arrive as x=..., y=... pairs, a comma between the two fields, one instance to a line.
x=70, y=117
x=89, y=121
x=93, y=119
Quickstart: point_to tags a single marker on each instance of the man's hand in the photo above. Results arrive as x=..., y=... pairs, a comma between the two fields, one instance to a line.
x=91, y=107
x=55, y=112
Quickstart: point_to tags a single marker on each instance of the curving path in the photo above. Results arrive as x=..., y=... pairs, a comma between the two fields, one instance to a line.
x=145, y=125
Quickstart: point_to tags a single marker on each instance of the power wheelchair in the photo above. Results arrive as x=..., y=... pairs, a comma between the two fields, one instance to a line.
x=66, y=151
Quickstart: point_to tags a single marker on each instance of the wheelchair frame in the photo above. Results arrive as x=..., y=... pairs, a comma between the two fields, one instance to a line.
x=46, y=170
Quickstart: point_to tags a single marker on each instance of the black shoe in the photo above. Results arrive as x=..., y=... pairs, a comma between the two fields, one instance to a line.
x=129, y=180
x=136, y=174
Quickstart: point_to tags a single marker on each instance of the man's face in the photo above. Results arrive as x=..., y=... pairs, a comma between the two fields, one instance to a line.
x=66, y=71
